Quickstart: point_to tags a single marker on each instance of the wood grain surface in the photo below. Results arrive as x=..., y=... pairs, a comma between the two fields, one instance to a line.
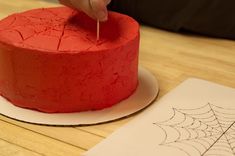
x=171, y=57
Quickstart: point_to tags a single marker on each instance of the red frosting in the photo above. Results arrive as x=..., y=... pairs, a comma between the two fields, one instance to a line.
x=50, y=61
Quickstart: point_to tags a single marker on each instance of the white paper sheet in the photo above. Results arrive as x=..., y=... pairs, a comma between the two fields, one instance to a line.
x=197, y=118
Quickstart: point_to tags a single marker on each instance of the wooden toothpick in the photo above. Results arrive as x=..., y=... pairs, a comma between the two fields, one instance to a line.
x=98, y=31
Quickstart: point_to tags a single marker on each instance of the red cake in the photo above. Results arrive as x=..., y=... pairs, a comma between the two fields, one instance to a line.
x=50, y=60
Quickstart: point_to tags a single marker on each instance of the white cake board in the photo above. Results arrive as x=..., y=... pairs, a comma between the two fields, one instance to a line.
x=145, y=93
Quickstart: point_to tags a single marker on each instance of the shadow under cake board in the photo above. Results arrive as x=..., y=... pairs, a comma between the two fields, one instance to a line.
x=144, y=95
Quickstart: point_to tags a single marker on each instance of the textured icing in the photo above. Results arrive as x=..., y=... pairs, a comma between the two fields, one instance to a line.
x=49, y=60
x=64, y=30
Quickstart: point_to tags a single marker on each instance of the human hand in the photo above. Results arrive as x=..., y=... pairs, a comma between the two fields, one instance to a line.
x=96, y=9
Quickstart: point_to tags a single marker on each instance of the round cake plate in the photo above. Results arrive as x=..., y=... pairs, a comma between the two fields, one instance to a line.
x=144, y=95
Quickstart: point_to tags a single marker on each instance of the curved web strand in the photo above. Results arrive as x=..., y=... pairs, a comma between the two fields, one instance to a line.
x=205, y=131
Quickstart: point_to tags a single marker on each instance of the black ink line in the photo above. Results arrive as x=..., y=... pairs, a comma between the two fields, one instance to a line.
x=223, y=134
x=218, y=139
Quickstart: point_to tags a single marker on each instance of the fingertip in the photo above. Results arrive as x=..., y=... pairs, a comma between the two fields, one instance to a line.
x=96, y=9
x=102, y=15
x=107, y=1
x=99, y=9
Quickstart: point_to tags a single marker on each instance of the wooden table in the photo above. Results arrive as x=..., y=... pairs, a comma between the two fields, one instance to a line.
x=171, y=57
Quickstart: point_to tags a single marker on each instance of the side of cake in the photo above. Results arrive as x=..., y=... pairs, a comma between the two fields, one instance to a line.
x=50, y=61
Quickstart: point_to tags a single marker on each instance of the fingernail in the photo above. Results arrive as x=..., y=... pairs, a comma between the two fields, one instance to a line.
x=108, y=1
x=102, y=16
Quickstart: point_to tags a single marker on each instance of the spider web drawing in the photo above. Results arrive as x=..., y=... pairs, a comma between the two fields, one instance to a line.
x=205, y=131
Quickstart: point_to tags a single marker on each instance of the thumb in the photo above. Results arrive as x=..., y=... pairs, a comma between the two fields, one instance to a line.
x=99, y=9
x=96, y=9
